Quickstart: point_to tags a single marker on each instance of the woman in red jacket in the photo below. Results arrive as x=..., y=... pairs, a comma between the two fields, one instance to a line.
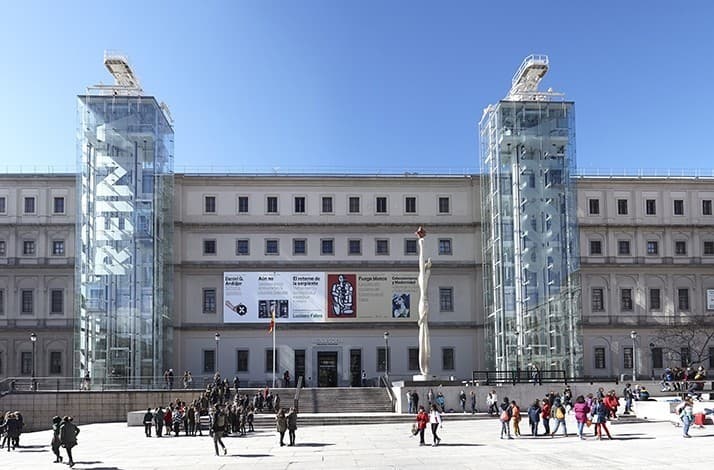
x=422, y=418
x=612, y=402
x=545, y=414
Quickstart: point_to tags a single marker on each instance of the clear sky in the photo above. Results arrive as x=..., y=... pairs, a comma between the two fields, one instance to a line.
x=365, y=84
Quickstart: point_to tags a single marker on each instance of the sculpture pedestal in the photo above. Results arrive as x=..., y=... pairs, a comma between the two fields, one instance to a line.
x=420, y=378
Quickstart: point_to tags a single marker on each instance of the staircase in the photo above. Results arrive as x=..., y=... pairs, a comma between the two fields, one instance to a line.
x=344, y=400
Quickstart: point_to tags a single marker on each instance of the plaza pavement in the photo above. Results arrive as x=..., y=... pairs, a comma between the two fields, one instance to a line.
x=466, y=444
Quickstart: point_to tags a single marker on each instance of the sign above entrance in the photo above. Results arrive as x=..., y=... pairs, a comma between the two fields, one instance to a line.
x=297, y=297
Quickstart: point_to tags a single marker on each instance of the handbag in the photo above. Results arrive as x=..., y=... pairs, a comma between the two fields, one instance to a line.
x=596, y=419
x=589, y=422
x=415, y=429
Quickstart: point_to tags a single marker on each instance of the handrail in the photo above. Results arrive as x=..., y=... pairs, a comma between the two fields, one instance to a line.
x=298, y=389
x=384, y=380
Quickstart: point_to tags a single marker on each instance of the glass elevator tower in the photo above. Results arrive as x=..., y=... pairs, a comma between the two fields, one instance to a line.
x=530, y=233
x=124, y=230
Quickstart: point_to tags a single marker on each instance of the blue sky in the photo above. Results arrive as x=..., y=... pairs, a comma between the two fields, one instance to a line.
x=363, y=84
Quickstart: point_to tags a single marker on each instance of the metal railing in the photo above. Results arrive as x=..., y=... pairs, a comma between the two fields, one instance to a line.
x=385, y=382
x=490, y=377
x=27, y=384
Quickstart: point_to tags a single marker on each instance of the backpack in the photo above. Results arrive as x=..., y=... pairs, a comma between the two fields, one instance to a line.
x=505, y=416
x=559, y=413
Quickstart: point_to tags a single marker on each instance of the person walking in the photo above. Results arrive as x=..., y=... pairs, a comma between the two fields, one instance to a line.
x=558, y=412
x=545, y=414
x=68, y=437
x=281, y=425
x=472, y=397
x=534, y=417
x=56, y=443
x=492, y=403
x=159, y=421
x=600, y=413
x=435, y=421
x=148, y=422
x=627, y=395
x=292, y=425
x=422, y=418
x=505, y=418
x=581, y=410
x=516, y=418
x=686, y=416
x=218, y=426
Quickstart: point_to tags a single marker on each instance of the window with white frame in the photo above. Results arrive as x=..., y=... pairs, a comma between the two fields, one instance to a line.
x=242, y=247
x=410, y=205
x=209, y=204
x=381, y=246
x=57, y=247
x=58, y=205
x=271, y=204
x=446, y=299
x=29, y=205
x=272, y=246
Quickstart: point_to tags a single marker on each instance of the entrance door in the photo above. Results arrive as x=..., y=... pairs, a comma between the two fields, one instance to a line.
x=355, y=367
x=327, y=369
x=299, y=366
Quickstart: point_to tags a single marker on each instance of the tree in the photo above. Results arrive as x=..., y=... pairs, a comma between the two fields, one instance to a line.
x=690, y=342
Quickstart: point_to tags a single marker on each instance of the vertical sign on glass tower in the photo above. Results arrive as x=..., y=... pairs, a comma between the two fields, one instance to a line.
x=531, y=280
x=124, y=229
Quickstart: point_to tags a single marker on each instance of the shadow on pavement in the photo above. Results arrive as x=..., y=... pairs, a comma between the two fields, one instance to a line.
x=250, y=455
x=313, y=444
x=446, y=444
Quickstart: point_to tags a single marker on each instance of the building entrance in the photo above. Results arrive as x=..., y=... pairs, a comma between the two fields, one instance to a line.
x=327, y=369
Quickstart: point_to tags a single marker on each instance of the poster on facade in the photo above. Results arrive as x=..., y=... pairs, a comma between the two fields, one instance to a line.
x=710, y=299
x=251, y=297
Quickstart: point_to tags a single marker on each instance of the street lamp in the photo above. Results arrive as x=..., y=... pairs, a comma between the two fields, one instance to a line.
x=33, y=340
x=217, y=338
x=633, y=335
x=386, y=353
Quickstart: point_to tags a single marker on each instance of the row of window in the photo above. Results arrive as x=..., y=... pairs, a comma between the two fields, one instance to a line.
x=327, y=246
x=27, y=301
x=446, y=300
x=657, y=358
x=650, y=207
x=29, y=248
x=30, y=206
x=383, y=358
x=327, y=206
x=652, y=247
x=654, y=299
x=26, y=363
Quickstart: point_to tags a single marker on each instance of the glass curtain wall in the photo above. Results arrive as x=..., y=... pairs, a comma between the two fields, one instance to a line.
x=530, y=247
x=125, y=147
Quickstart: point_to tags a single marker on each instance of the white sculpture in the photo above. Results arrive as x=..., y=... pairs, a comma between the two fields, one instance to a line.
x=423, y=280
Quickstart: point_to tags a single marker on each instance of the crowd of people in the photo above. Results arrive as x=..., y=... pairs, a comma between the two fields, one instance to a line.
x=681, y=379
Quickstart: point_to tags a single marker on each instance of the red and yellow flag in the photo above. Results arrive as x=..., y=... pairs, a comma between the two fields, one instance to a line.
x=272, y=319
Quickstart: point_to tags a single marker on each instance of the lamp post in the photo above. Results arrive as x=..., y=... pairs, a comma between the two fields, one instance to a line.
x=218, y=339
x=386, y=353
x=652, y=347
x=633, y=335
x=33, y=340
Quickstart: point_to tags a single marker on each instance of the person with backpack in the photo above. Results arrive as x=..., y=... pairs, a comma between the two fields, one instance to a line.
x=558, y=412
x=505, y=418
x=534, y=417
x=218, y=426
x=68, y=437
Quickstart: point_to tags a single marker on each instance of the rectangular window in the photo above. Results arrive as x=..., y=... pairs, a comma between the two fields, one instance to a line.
x=623, y=247
x=57, y=301
x=382, y=358
x=709, y=247
x=271, y=204
x=599, y=355
x=28, y=247
x=381, y=246
x=27, y=301
x=651, y=207
x=679, y=207
x=446, y=299
x=626, y=300
x=413, y=358
x=595, y=247
x=327, y=246
x=2, y=305
x=597, y=300
x=58, y=205
x=327, y=205
x=3, y=248
x=269, y=360
x=683, y=299
x=29, y=205
x=445, y=246
x=686, y=356
x=209, y=204
x=354, y=247
x=299, y=246
x=58, y=247
x=26, y=363
x=272, y=246
x=622, y=206
x=242, y=360
x=657, y=362
x=353, y=205
x=209, y=360
x=242, y=247
x=209, y=300
x=444, y=205
x=381, y=205
x=680, y=247
x=209, y=247
x=410, y=205
x=447, y=362
x=242, y=204
x=299, y=204
x=410, y=246
x=627, y=358
x=594, y=206
x=655, y=300
x=55, y=362
x=3, y=205
x=652, y=247
x=706, y=207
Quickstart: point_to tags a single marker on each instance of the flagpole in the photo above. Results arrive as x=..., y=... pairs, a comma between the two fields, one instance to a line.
x=274, y=327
